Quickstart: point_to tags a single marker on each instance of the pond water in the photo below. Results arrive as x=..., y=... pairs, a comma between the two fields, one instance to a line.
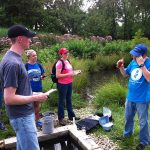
x=98, y=79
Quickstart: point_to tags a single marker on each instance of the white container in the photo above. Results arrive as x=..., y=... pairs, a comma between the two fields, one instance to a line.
x=106, y=112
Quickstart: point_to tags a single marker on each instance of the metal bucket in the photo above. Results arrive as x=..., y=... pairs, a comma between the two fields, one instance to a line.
x=48, y=125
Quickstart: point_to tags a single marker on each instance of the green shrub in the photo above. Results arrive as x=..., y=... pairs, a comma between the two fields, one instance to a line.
x=83, y=48
x=3, y=32
x=111, y=93
x=46, y=55
x=117, y=47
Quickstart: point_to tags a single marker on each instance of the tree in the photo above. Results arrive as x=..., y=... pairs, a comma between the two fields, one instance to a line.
x=105, y=13
x=64, y=16
x=142, y=16
x=26, y=12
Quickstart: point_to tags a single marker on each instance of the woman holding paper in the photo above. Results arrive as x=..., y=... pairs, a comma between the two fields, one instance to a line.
x=64, y=85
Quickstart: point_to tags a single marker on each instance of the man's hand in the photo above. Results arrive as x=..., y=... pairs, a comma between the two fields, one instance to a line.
x=140, y=60
x=120, y=63
x=40, y=97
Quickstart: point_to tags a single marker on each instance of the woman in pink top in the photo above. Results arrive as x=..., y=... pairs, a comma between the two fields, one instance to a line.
x=64, y=85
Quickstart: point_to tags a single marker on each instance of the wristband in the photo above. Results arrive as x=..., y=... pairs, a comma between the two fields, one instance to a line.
x=141, y=65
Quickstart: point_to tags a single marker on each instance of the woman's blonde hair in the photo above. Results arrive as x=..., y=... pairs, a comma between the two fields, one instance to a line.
x=29, y=52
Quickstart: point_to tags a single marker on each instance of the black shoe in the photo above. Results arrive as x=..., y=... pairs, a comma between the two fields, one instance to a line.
x=120, y=138
x=76, y=118
x=140, y=147
x=62, y=122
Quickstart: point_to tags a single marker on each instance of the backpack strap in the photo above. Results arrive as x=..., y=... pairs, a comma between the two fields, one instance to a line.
x=63, y=65
x=26, y=66
x=40, y=66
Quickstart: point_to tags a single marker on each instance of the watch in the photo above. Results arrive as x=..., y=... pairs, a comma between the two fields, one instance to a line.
x=141, y=65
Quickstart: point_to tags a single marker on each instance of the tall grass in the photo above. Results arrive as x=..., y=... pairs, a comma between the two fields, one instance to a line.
x=111, y=93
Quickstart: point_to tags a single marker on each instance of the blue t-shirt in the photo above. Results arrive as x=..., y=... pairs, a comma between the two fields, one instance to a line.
x=34, y=72
x=138, y=86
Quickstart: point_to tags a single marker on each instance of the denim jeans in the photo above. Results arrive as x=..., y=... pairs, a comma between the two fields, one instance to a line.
x=65, y=96
x=26, y=134
x=130, y=110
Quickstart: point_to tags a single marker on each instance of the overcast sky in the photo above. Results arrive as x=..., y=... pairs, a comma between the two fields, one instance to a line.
x=87, y=4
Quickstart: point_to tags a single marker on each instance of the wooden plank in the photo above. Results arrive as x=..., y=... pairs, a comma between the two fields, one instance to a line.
x=84, y=141
x=60, y=131
x=10, y=142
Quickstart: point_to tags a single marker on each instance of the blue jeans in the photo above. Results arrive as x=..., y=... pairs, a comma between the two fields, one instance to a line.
x=130, y=110
x=65, y=95
x=26, y=134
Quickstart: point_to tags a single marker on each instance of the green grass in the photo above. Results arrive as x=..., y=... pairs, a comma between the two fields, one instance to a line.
x=112, y=92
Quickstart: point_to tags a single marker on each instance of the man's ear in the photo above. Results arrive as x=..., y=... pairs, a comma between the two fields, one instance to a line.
x=144, y=56
x=19, y=39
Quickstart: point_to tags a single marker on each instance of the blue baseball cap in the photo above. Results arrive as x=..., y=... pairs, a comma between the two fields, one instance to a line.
x=139, y=50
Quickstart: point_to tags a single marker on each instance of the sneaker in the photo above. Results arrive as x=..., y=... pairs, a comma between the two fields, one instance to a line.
x=62, y=122
x=76, y=118
x=140, y=147
x=39, y=124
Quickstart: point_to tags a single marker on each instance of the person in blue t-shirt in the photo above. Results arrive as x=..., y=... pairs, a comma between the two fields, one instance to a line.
x=36, y=75
x=138, y=95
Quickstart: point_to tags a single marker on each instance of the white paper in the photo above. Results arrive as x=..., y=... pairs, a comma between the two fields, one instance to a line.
x=51, y=91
